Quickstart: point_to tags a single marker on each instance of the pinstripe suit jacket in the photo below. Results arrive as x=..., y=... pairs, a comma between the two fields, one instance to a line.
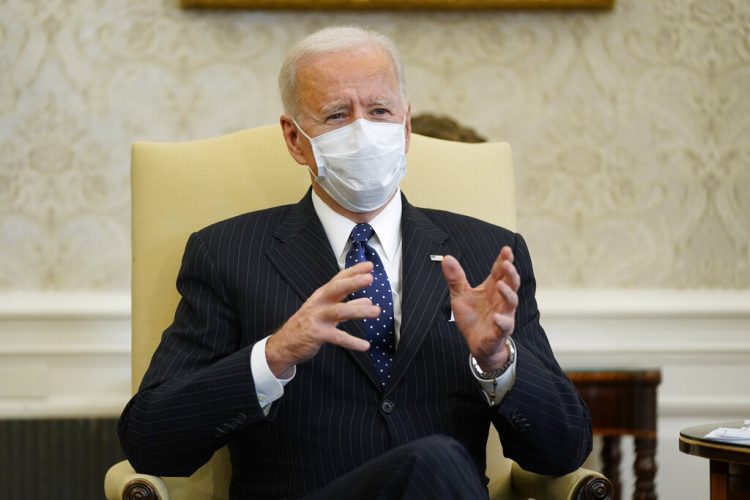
x=243, y=277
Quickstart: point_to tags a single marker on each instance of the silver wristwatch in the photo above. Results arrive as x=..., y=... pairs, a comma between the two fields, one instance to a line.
x=489, y=376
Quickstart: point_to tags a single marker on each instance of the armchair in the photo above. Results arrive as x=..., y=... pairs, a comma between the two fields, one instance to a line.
x=178, y=188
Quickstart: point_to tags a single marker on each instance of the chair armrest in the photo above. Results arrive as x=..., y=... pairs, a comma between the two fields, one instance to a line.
x=581, y=484
x=122, y=482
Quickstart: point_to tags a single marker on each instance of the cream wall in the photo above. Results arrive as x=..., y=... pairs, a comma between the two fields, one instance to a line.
x=631, y=136
x=631, y=128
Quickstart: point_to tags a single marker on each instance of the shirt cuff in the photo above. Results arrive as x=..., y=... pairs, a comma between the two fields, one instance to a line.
x=268, y=388
x=495, y=390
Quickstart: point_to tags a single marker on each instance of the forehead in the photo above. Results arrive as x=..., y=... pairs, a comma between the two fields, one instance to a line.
x=363, y=73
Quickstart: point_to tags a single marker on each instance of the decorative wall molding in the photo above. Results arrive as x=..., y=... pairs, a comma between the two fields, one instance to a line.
x=555, y=303
x=74, y=348
x=81, y=305
x=644, y=303
x=64, y=354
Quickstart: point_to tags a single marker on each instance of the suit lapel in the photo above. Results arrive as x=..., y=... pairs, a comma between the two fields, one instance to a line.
x=304, y=259
x=303, y=256
x=424, y=288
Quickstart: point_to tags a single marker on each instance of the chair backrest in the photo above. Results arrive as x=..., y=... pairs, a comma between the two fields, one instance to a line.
x=178, y=188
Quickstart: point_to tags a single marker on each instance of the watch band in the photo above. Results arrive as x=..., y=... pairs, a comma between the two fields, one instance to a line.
x=494, y=374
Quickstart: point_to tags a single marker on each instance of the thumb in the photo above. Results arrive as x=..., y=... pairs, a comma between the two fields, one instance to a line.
x=454, y=275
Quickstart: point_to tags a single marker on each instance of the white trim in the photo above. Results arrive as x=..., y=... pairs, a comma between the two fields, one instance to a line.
x=65, y=351
x=688, y=406
x=64, y=305
x=79, y=344
x=554, y=303
x=704, y=349
x=643, y=303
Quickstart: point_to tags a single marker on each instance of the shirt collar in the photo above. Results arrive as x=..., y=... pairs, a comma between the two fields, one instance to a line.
x=387, y=226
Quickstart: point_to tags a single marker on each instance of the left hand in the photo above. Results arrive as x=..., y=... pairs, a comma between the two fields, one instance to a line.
x=485, y=315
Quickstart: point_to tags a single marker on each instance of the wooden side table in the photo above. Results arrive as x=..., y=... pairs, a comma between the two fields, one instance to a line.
x=729, y=462
x=623, y=402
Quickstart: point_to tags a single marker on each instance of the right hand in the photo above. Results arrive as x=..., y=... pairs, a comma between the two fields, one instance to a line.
x=315, y=323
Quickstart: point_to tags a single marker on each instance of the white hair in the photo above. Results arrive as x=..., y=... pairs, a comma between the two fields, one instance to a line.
x=331, y=40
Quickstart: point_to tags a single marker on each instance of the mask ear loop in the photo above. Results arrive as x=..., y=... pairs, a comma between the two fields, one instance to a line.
x=321, y=167
x=299, y=129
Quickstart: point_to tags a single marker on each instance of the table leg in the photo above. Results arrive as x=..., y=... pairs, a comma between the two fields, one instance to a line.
x=719, y=480
x=645, y=468
x=611, y=457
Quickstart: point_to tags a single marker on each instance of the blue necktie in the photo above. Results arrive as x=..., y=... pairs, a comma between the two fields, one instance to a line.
x=378, y=331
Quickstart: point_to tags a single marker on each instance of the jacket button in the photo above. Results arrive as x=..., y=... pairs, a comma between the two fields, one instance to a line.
x=387, y=406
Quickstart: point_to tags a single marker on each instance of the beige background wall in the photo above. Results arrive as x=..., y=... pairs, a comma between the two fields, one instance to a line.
x=631, y=134
x=631, y=128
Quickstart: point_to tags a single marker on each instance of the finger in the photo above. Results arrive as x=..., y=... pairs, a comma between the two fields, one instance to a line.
x=361, y=300
x=356, y=269
x=497, y=267
x=454, y=275
x=504, y=323
x=507, y=253
x=339, y=288
x=511, y=276
x=344, y=311
x=510, y=297
x=343, y=339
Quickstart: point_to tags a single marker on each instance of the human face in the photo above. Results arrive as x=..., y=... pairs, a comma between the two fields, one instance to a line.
x=336, y=89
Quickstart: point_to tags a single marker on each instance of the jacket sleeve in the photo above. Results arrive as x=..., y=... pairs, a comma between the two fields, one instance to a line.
x=543, y=423
x=198, y=390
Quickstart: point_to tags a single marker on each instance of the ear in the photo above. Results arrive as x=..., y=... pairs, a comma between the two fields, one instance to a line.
x=294, y=139
x=407, y=128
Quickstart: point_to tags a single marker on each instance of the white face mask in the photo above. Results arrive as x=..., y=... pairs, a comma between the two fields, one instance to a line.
x=360, y=165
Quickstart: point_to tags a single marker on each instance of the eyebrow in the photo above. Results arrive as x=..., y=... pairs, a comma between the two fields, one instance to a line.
x=334, y=107
x=383, y=101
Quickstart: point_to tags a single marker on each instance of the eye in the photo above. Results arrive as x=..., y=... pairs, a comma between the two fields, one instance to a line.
x=335, y=116
x=381, y=111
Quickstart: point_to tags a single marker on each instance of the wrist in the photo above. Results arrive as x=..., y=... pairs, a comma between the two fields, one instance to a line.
x=492, y=373
x=277, y=363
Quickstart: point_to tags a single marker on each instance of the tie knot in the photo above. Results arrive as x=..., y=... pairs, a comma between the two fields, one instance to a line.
x=362, y=233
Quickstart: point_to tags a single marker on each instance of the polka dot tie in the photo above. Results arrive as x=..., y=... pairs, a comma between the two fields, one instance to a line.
x=378, y=331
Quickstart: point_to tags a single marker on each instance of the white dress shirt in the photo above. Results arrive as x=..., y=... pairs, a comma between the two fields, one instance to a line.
x=387, y=243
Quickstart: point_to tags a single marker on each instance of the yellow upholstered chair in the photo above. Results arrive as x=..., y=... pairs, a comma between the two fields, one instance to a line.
x=179, y=188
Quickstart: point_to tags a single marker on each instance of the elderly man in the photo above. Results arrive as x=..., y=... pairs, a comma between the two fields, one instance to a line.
x=323, y=344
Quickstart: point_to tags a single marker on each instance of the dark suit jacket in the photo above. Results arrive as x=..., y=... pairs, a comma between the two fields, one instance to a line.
x=243, y=277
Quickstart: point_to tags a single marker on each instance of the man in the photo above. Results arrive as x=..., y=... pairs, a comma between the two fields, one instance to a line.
x=324, y=346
